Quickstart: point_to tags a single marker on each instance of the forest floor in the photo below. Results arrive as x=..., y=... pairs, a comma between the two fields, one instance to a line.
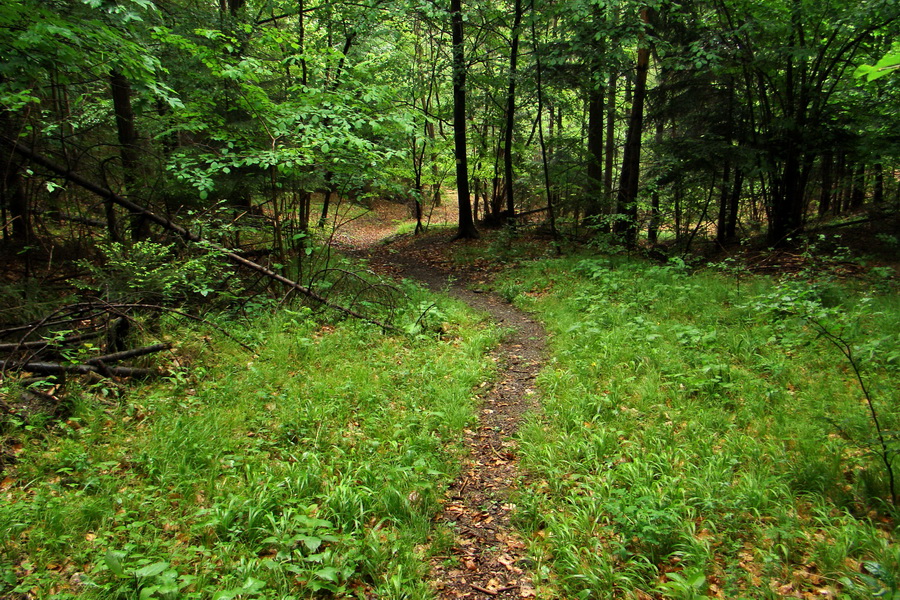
x=487, y=558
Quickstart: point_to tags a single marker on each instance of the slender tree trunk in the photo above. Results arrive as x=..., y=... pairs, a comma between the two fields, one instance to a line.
x=678, y=195
x=735, y=203
x=827, y=183
x=594, y=206
x=551, y=212
x=878, y=191
x=511, y=113
x=127, y=134
x=467, y=228
x=435, y=168
x=653, y=225
x=858, y=195
x=626, y=224
x=301, y=42
x=724, y=195
x=17, y=202
x=840, y=199
x=610, y=145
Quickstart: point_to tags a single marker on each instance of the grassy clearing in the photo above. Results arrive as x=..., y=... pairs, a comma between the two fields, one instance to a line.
x=701, y=438
x=313, y=467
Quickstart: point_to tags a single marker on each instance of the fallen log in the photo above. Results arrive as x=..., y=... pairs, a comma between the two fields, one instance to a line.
x=136, y=209
x=49, y=368
x=41, y=344
x=125, y=354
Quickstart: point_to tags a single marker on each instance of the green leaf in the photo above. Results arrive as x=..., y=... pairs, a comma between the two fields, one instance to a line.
x=328, y=574
x=148, y=592
x=151, y=570
x=311, y=542
x=114, y=562
x=890, y=62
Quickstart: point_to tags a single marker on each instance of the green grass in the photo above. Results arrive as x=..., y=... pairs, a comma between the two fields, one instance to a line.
x=314, y=467
x=700, y=439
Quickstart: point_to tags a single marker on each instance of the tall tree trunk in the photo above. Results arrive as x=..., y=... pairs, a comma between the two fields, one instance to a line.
x=724, y=195
x=16, y=201
x=878, y=191
x=593, y=210
x=467, y=228
x=435, y=168
x=551, y=212
x=786, y=209
x=127, y=134
x=827, y=183
x=653, y=225
x=301, y=42
x=610, y=145
x=511, y=113
x=858, y=195
x=840, y=199
x=734, y=207
x=626, y=223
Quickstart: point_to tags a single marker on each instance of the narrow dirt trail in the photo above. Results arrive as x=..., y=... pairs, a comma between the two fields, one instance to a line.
x=487, y=559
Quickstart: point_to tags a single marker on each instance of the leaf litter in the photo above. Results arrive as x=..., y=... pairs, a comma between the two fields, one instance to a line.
x=487, y=558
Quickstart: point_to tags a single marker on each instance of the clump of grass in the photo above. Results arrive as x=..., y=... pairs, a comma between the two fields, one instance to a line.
x=313, y=467
x=698, y=439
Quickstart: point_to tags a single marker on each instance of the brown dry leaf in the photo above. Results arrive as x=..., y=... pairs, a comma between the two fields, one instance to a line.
x=6, y=483
x=469, y=564
x=526, y=591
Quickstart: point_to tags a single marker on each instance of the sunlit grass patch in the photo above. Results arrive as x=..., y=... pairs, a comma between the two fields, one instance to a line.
x=700, y=439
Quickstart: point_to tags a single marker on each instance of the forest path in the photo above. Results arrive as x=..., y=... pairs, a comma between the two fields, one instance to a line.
x=487, y=559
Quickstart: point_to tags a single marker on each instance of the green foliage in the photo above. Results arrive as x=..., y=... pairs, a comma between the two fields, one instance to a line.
x=150, y=272
x=697, y=434
x=889, y=63
x=313, y=468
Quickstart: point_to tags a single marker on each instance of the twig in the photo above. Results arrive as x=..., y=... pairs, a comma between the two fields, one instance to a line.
x=483, y=590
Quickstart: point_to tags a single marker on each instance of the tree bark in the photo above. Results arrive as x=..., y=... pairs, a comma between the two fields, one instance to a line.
x=610, y=143
x=724, y=195
x=858, y=195
x=594, y=206
x=511, y=113
x=467, y=228
x=551, y=212
x=17, y=203
x=827, y=183
x=735, y=203
x=653, y=225
x=626, y=223
x=57, y=368
x=127, y=135
x=878, y=191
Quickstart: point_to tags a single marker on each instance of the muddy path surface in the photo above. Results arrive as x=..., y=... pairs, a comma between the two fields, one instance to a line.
x=488, y=559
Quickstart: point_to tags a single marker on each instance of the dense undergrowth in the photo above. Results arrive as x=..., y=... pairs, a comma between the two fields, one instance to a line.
x=703, y=434
x=313, y=466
